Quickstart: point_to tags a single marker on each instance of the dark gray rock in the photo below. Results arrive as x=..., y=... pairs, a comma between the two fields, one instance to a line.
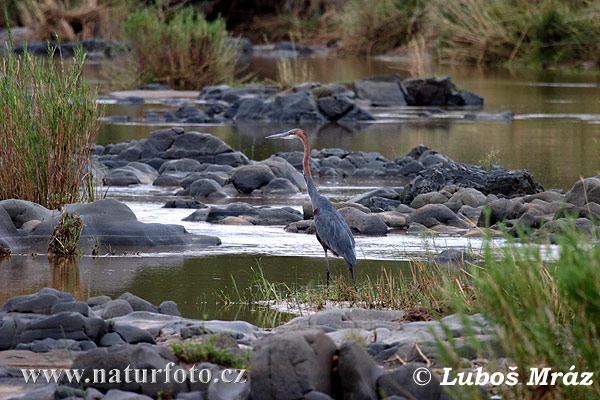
x=128, y=175
x=111, y=339
x=8, y=328
x=380, y=93
x=429, y=91
x=97, y=301
x=299, y=106
x=49, y=344
x=584, y=191
x=116, y=394
x=435, y=214
x=263, y=215
x=402, y=383
x=281, y=168
x=189, y=113
x=140, y=356
x=21, y=211
x=137, y=303
x=383, y=192
x=181, y=165
x=500, y=210
x=363, y=223
x=199, y=146
x=164, y=138
x=38, y=303
x=251, y=177
x=167, y=180
x=279, y=186
x=292, y=364
x=77, y=306
x=184, y=204
x=454, y=257
x=133, y=335
x=116, y=308
x=357, y=372
x=65, y=325
x=203, y=188
x=169, y=307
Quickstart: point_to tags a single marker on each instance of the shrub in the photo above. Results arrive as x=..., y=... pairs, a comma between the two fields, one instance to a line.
x=182, y=50
x=48, y=121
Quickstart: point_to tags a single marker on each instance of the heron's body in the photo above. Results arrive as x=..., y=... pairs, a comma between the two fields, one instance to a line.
x=331, y=229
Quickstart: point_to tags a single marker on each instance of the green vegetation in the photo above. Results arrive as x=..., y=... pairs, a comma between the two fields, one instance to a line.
x=65, y=237
x=48, y=121
x=490, y=160
x=507, y=32
x=181, y=49
x=372, y=27
x=546, y=314
x=210, y=348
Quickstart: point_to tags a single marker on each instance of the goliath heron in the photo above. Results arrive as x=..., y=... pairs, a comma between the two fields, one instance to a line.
x=332, y=230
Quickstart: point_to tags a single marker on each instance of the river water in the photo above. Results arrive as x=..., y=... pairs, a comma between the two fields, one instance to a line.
x=557, y=119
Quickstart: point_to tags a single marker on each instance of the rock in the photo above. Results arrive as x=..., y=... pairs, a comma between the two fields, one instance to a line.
x=429, y=198
x=357, y=372
x=384, y=192
x=429, y=91
x=340, y=108
x=189, y=113
x=76, y=306
x=7, y=332
x=169, y=307
x=202, y=147
x=116, y=308
x=510, y=183
x=116, y=394
x=281, y=168
x=137, y=303
x=256, y=215
x=279, y=186
x=584, y=191
x=335, y=320
x=434, y=214
x=299, y=106
x=129, y=175
x=140, y=356
x=38, y=303
x=380, y=93
x=65, y=325
x=97, y=301
x=291, y=364
x=167, y=180
x=251, y=177
x=203, y=188
x=500, y=210
x=181, y=165
x=468, y=197
x=184, y=204
x=112, y=339
x=401, y=382
x=49, y=344
x=366, y=224
x=21, y=211
x=164, y=138
x=394, y=219
x=133, y=335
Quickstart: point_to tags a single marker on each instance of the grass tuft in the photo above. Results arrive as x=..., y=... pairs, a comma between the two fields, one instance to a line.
x=181, y=49
x=48, y=121
x=209, y=349
x=65, y=237
x=490, y=161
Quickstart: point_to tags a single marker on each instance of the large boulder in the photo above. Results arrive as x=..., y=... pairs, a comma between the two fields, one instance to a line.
x=357, y=372
x=261, y=215
x=281, y=168
x=250, y=177
x=444, y=172
x=436, y=214
x=363, y=223
x=429, y=91
x=299, y=106
x=380, y=93
x=584, y=191
x=402, y=382
x=292, y=364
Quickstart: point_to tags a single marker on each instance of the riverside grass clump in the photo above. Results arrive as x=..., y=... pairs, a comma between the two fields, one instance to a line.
x=544, y=32
x=48, y=121
x=545, y=313
x=210, y=348
x=65, y=236
x=181, y=49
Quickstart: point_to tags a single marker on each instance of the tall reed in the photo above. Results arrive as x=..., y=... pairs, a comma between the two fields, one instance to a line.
x=48, y=121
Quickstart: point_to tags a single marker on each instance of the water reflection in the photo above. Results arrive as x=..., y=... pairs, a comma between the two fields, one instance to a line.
x=203, y=287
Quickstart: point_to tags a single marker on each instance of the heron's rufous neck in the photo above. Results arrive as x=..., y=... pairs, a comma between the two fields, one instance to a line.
x=302, y=137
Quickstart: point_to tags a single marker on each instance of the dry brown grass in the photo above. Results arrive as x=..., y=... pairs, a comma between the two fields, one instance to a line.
x=291, y=72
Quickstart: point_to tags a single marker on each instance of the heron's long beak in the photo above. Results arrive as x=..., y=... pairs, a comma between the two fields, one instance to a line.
x=281, y=135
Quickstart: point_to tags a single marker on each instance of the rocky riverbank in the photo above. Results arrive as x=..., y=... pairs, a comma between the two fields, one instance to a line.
x=352, y=353
x=428, y=191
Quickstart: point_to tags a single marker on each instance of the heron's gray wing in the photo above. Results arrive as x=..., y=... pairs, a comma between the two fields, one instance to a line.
x=334, y=231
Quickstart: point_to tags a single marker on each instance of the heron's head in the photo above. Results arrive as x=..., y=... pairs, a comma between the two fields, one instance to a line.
x=291, y=134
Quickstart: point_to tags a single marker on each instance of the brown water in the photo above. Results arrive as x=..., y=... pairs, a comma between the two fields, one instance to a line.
x=557, y=120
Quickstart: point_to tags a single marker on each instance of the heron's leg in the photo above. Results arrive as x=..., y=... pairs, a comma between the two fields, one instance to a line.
x=327, y=262
x=353, y=281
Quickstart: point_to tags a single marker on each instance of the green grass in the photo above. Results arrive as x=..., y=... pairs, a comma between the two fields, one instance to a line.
x=48, y=121
x=181, y=48
x=490, y=160
x=209, y=349
x=546, y=314
x=545, y=32
x=65, y=237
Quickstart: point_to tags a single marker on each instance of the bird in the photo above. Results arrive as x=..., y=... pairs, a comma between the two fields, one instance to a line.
x=331, y=229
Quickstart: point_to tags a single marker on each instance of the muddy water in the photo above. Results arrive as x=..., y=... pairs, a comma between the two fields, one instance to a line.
x=557, y=118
